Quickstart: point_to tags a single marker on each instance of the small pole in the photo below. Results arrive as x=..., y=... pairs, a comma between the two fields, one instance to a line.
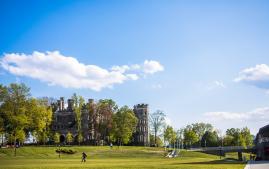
x=59, y=151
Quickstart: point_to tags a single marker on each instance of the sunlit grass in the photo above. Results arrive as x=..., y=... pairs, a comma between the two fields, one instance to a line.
x=104, y=157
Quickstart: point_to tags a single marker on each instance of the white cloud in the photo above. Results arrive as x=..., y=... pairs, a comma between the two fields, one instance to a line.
x=57, y=69
x=121, y=69
x=151, y=66
x=257, y=76
x=259, y=114
x=132, y=76
x=148, y=67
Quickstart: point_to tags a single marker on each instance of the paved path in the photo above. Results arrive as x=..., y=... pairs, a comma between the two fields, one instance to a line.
x=257, y=165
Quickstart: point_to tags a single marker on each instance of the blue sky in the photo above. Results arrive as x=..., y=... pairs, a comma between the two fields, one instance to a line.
x=196, y=60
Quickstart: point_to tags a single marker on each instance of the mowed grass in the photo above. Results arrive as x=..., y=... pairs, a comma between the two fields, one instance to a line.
x=104, y=157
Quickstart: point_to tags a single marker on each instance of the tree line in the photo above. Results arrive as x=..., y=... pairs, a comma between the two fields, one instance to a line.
x=196, y=134
x=22, y=115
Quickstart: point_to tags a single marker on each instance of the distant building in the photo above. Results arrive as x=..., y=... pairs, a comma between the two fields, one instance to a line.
x=262, y=143
x=65, y=120
x=141, y=135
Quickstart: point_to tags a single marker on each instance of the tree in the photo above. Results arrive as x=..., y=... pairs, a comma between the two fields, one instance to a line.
x=40, y=117
x=238, y=137
x=201, y=128
x=69, y=138
x=210, y=139
x=3, y=95
x=56, y=138
x=170, y=135
x=14, y=111
x=228, y=140
x=80, y=138
x=234, y=136
x=124, y=124
x=190, y=137
x=105, y=109
x=79, y=101
x=246, y=135
x=159, y=141
x=157, y=122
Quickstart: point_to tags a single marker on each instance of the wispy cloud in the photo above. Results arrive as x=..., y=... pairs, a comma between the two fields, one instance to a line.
x=259, y=114
x=156, y=86
x=215, y=85
x=57, y=69
x=257, y=76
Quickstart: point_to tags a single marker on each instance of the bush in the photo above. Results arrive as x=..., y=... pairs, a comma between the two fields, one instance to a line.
x=65, y=151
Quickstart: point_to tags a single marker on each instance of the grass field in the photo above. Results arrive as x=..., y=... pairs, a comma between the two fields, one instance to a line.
x=104, y=157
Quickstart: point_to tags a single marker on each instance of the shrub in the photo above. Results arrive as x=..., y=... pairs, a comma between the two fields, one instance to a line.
x=65, y=151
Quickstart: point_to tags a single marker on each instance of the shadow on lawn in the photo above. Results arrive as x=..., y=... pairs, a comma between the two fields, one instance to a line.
x=225, y=161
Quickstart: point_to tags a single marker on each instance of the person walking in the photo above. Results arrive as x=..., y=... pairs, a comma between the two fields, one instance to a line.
x=84, y=156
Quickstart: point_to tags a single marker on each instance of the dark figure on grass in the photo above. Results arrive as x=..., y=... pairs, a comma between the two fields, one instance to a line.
x=84, y=156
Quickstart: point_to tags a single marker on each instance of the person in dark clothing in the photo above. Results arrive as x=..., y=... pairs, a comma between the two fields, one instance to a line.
x=84, y=156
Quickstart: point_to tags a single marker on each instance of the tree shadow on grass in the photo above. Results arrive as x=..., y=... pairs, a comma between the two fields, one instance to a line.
x=225, y=161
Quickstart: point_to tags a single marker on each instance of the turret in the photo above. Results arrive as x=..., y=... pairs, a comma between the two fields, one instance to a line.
x=70, y=104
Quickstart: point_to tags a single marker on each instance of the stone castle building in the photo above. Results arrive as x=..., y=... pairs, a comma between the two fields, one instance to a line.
x=65, y=120
x=141, y=136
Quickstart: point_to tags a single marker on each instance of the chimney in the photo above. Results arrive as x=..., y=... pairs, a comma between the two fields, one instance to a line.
x=70, y=103
x=61, y=103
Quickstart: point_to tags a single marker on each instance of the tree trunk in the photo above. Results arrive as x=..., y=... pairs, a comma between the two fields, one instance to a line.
x=155, y=138
x=15, y=146
x=2, y=139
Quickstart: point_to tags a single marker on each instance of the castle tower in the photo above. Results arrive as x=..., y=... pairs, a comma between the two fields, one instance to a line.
x=141, y=136
x=61, y=104
x=70, y=104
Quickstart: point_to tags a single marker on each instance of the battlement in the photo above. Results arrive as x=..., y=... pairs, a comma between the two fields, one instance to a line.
x=141, y=106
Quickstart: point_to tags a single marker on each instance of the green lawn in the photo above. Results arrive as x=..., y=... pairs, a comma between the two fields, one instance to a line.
x=103, y=157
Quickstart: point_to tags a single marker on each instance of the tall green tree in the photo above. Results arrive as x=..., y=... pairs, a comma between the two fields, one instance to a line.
x=56, y=138
x=157, y=123
x=245, y=133
x=3, y=95
x=14, y=111
x=80, y=138
x=105, y=109
x=238, y=137
x=40, y=119
x=234, y=136
x=69, y=138
x=79, y=102
x=170, y=135
x=210, y=139
x=190, y=137
x=124, y=124
x=201, y=128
